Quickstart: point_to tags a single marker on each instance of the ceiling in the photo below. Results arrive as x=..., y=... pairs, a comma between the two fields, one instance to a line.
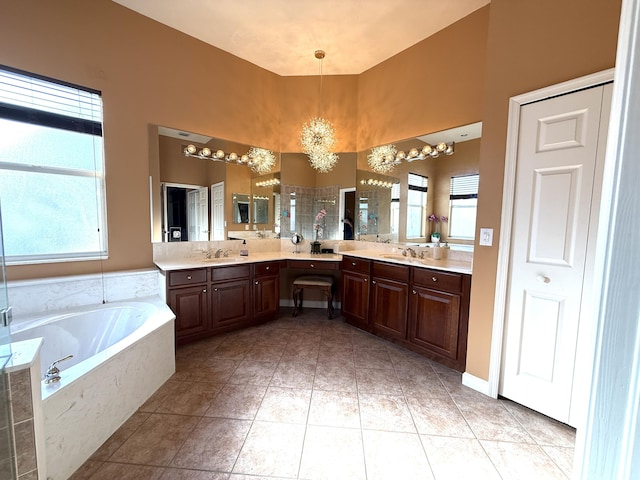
x=282, y=35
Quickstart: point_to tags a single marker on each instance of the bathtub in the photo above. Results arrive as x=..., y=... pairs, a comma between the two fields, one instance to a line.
x=122, y=353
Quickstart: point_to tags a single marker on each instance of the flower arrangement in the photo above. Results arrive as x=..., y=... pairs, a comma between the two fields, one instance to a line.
x=318, y=226
x=435, y=219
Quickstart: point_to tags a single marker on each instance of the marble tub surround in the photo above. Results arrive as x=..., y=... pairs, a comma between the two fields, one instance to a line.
x=60, y=293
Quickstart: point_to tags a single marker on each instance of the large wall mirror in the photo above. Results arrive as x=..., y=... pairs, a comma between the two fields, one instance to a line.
x=396, y=206
x=196, y=199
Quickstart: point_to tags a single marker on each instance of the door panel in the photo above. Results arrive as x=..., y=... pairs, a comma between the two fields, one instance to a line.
x=558, y=145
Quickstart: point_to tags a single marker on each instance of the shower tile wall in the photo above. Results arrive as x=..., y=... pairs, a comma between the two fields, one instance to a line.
x=308, y=203
x=22, y=422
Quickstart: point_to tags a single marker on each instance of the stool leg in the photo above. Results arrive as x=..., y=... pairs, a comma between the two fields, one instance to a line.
x=296, y=293
x=330, y=303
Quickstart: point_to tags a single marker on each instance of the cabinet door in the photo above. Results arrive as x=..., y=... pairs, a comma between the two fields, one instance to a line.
x=355, y=299
x=434, y=321
x=230, y=303
x=389, y=302
x=191, y=306
x=266, y=296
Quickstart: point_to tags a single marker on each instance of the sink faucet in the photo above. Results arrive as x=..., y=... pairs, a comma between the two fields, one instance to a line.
x=219, y=252
x=410, y=251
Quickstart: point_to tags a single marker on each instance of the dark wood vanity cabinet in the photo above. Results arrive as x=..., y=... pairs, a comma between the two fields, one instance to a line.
x=439, y=315
x=355, y=291
x=389, y=299
x=424, y=310
x=188, y=297
x=266, y=290
x=230, y=297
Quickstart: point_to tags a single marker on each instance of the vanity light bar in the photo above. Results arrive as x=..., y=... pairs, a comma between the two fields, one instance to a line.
x=260, y=160
x=384, y=158
x=268, y=183
x=371, y=182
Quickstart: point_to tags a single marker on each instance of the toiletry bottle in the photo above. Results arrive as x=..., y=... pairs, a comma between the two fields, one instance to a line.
x=243, y=251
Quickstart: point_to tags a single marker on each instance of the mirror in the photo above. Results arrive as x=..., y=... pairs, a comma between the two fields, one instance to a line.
x=241, y=207
x=400, y=215
x=219, y=181
x=185, y=212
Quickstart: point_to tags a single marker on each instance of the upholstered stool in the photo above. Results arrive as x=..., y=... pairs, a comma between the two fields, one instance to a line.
x=322, y=282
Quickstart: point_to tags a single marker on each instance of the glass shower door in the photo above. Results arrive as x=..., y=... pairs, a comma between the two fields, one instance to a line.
x=7, y=453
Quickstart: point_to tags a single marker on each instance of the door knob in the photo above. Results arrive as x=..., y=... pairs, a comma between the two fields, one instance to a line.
x=543, y=279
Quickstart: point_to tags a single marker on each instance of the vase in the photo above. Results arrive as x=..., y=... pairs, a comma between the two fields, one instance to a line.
x=315, y=247
x=435, y=237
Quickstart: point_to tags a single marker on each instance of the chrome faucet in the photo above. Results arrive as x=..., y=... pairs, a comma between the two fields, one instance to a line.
x=53, y=372
x=409, y=252
x=219, y=252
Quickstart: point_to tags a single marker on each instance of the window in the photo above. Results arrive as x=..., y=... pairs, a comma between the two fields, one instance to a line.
x=416, y=205
x=51, y=169
x=395, y=210
x=463, y=201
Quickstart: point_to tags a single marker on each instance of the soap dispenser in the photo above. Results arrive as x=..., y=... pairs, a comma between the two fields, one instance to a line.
x=243, y=251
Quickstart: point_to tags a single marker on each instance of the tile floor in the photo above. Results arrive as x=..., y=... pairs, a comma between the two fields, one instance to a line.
x=311, y=398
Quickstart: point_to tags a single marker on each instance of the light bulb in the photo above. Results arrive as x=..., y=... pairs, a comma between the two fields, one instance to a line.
x=413, y=152
x=219, y=154
x=427, y=149
x=190, y=149
x=233, y=156
x=244, y=158
x=441, y=147
x=401, y=155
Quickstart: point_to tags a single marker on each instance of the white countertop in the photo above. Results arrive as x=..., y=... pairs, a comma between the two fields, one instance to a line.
x=457, y=266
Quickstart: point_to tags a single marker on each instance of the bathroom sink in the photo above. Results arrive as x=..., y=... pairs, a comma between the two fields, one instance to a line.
x=225, y=260
x=395, y=256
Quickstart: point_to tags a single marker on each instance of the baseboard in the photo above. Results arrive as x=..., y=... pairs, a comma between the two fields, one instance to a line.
x=478, y=384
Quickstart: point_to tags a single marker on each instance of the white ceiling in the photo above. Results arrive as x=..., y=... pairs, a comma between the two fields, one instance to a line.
x=282, y=35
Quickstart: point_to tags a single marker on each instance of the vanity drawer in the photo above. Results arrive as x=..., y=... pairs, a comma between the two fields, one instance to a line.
x=448, y=282
x=187, y=277
x=399, y=273
x=220, y=274
x=355, y=264
x=266, y=268
x=313, y=265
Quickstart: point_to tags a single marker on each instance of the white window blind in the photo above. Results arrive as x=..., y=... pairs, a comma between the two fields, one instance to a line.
x=464, y=187
x=463, y=206
x=52, y=182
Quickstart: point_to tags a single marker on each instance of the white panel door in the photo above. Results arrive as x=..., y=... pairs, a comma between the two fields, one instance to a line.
x=556, y=166
x=217, y=211
x=197, y=213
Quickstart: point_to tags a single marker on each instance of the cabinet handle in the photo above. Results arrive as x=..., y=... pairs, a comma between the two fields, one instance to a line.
x=434, y=279
x=257, y=283
x=374, y=282
x=311, y=265
x=414, y=292
x=353, y=264
x=204, y=291
x=366, y=279
x=188, y=277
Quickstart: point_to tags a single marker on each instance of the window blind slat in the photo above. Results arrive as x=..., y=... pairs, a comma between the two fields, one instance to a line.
x=464, y=187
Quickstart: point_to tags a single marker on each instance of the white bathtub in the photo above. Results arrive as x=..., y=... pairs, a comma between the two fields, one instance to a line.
x=123, y=352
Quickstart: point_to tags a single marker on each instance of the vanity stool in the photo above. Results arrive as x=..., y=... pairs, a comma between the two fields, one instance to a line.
x=322, y=282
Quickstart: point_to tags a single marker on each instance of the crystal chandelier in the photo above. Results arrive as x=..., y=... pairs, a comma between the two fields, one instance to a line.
x=260, y=160
x=385, y=158
x=318, y=137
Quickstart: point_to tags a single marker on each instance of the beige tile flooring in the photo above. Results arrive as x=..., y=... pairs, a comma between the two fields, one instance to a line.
x=311, y=398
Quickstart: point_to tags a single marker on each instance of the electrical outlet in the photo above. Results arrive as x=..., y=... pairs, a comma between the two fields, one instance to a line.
x=486, y=237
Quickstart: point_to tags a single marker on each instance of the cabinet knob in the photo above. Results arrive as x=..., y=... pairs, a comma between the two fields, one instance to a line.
x=353, y=264
x=374, y=282
x=268, y=268
x=215, y=289
x=188, y=277
x=414, y=292
x=366, y=279
x=311, y=265
x=434, y=279
x=204, y=290
x=257, y=283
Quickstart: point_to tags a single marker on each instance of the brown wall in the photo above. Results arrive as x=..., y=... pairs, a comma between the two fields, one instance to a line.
x=531, y=45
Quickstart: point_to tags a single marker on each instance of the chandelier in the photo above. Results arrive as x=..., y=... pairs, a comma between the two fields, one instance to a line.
x=260, y=160
x=318, y=137
x=385, y=158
